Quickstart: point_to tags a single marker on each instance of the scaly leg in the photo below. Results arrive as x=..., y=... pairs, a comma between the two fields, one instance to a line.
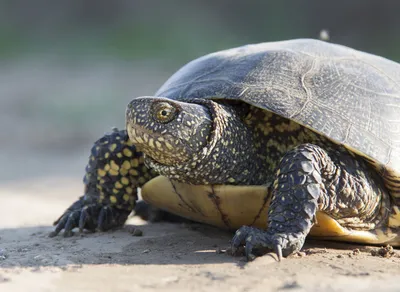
x=310, y=179
x=114, y=172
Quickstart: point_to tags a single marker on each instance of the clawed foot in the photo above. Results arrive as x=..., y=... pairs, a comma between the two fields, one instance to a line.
x=256, y=241
x=89, y=216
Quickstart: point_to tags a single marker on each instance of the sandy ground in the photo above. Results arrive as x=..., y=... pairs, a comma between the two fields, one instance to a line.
x=42, y=162
x=168, y=257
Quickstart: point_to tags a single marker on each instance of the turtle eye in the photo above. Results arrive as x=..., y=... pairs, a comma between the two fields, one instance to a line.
x=164, y=112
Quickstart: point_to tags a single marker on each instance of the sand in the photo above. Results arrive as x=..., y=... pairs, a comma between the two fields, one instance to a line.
x=168, y=257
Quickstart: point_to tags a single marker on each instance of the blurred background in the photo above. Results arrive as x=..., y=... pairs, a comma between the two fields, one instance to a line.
x=68, y=68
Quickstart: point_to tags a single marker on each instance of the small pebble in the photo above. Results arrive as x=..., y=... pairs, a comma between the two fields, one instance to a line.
x=146, y=251
x=137, y=232
x=339, y=256
x=219, y=251
x=385, y=252
x=3, y=254
x=301, y=254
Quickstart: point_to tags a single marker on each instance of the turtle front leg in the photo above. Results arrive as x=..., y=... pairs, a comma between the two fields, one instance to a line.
x=114, y=172
x=309, y=179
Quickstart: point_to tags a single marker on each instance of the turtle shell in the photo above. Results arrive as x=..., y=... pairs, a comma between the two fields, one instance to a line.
x=350, y=97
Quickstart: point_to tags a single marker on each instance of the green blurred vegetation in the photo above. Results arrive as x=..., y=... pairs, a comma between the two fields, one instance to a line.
x=69, y=67
x=179, y=30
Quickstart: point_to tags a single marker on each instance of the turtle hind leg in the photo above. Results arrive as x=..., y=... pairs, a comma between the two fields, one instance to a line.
x=310, y=180
x=114, y=172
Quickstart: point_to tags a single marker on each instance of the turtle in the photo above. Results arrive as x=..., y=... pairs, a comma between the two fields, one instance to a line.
x=277, y=140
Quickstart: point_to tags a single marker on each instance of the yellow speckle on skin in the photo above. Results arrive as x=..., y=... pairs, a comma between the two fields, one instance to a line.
x=125, y=181
x=133, y=172
x=113, y=172
x=115, y=191
x=141, y=159
x=107, y=155
x=123, y=171
x=151, y=143
x=169, y=146
x=142, y=180
x=158, y=145
x=119, y=155
x=127, y=152
x=231, y=180
x=107, y=167
x=135, y=162
x=126, y=165
x=118, y=185
x=126, y=197
x=101, y=172
x=113, y=147
x=113, y=165
x=129, y=190
x=113, y=199
x=161, y=139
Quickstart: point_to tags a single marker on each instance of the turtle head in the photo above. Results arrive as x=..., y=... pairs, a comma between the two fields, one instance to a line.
x=168, y=132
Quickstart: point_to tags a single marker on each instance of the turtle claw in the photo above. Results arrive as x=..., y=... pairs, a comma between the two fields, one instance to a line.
x=253, y=239
x=278, y=251
x=105, y=221
x=90, y=217
x=256, y=242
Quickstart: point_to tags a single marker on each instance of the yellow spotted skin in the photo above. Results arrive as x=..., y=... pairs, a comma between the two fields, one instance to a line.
x=115, y=171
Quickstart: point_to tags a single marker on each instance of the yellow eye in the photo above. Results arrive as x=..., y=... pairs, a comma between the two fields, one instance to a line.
x=164, y=112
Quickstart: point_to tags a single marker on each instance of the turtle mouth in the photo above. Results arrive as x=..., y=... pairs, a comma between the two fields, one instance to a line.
x=157, y=147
